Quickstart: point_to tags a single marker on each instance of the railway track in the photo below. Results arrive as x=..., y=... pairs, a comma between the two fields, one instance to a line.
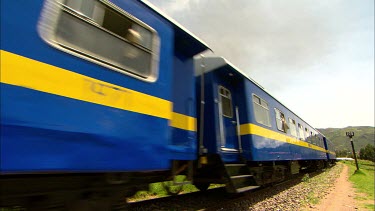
x=214, y=199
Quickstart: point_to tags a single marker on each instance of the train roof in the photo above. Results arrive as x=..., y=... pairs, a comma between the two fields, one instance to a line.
x=186, y=41
x=213, y=63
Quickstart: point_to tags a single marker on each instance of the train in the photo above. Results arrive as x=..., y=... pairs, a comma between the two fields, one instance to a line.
x=101, y=98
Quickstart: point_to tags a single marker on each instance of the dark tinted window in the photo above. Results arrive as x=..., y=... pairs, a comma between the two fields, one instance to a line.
x=261, y=111
x=101, y=32
x=226, y=102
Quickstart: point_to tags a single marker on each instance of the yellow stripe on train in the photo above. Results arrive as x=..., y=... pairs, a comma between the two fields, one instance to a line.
x=331, y=152
x=251, y=129
x=21, y=71
x=183, y=122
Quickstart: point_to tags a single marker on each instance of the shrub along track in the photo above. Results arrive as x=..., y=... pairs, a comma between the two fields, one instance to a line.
x=302, y=191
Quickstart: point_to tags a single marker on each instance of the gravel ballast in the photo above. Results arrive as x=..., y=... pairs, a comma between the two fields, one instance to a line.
x=302, y=193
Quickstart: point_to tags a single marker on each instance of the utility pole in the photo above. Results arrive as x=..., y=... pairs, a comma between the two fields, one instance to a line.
x=350, y=135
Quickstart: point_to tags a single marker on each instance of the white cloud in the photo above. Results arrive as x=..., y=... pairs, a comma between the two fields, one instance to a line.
x=309, y=54
x=172, y=7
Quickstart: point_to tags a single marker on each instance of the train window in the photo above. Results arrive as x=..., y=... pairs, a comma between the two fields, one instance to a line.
x=280, y=121
x=300, y=132
x=321, y=142
x=307, y=135
x=226, y=102
x=313, y=138
x=261, y=111
x=102, y=33
x=292, y=126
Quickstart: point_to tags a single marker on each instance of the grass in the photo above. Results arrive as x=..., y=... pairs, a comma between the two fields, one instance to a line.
x=363, y=181
x=158, y=190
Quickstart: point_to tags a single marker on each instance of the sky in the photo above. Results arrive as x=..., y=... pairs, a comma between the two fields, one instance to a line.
x=315, y=57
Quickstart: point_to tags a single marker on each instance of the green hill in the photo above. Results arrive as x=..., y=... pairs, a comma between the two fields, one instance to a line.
x=363, y=135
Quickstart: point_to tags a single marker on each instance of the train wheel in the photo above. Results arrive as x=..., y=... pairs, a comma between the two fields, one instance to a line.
x=174, y=189
x=202, y=186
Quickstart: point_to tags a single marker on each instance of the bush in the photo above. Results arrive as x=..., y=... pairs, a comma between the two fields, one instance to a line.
x=367, y=153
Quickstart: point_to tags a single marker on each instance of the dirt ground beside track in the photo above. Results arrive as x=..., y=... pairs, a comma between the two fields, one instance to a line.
x=341, y=196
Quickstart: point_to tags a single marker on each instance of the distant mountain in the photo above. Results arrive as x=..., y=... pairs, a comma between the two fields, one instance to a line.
x=363, y=135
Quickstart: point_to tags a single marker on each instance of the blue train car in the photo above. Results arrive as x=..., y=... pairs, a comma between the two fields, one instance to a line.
x=100, y=98
x=245, y=125
x=95, y=90
x=331, y=155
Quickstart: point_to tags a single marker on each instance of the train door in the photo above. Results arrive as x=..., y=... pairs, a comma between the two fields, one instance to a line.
x=228, y=120
x=326, y=147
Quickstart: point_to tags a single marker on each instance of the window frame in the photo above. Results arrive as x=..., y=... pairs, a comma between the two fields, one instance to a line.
x=292, y=123
x=47, y=29
x=307, y=132
x=266, y=108
x=283, y=129
x=301, y=132
x=230, y=100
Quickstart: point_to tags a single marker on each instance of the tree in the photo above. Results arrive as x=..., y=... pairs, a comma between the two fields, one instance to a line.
x=343, y=153
x=367, y=153
x=362, y=154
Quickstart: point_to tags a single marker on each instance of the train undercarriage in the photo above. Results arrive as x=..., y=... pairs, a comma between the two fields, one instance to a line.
x=240, y=177
x=89, y=191
x=108, y=191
